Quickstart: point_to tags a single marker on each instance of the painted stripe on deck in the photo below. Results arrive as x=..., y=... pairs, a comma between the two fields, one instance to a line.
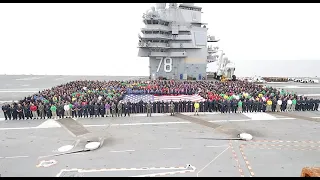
x=53, y=124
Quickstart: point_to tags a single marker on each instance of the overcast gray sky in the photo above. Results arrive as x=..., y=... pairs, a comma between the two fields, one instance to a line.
x=101, y=39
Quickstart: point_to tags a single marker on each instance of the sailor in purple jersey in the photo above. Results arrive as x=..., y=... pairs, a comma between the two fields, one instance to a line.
x=107, y=107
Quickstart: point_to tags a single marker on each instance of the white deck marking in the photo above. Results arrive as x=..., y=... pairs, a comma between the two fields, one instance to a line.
x=316, y=117
x=299, y=87
x=145, y=115
x=65, y=148
x=171, y=148
x=212, y=161
x=28, y=79
x=244, y=120
x=157, y=123
x=50, y=123
x=259, y=116
x=308, y=95
x=18, y=91
x=121, y=169
x=14, y=157
x=25, y=85
x=124, y=151
x=189, y=168
x=19, y=128
x=217, y=146
x=8, y=101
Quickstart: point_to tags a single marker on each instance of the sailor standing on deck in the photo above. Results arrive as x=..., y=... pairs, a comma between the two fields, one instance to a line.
x=293, y=105
x=96, y=110
x=20, y=112
x=113, y=108
x=85, y=110
x=107, y=107
x=53, y=110
x=66, y=108
x=180, y=106
x=119, y=109
x=126, y=109
x=34, y=109
x=289, y=104
x=303, y=104
x=239, y=106
x=41, y=111
x=5, y=112
x=279, y=103
x=172, y=108
x=196, y=108
x=269, y=105
x=102, y=109
x=149, y=106
x=316, y=106
x=27, y=112
x=274, y=105
x=14, y=111
x=47, y=111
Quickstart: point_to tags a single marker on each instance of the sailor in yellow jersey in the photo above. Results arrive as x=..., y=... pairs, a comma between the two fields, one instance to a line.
x=196, y=108
x=269, y=105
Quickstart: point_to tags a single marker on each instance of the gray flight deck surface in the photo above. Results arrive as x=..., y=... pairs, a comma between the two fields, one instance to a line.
x=161, y=145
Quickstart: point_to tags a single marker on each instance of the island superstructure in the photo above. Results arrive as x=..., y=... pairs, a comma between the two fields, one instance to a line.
x=176, y=42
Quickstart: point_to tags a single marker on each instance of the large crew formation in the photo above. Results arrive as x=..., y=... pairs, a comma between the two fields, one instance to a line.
x=84, y=99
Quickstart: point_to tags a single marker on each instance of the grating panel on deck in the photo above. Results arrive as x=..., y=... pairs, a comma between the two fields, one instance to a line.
x=74, y=127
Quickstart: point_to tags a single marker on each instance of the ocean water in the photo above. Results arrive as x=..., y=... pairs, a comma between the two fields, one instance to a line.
x=280, y=68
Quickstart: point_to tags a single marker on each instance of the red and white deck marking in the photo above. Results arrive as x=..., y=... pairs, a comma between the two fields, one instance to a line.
x=236, y=159
x=280, y=145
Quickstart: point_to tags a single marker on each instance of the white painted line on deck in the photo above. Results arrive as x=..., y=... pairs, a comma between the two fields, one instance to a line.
x=57, y=79
x=316, y=117
x=154, y=115
x=124, y=151
x=217, y=146
x=308, y=95
x=171, y=148
x=158, y=123
x=212, y=161
x=244, y=120
x=25, y=85
x=121, y=169
x=299, y=87
x=17, y=91
x=277, y=82
x=52, y=124
x=14, y=157
x=19, y=128
x=8, y=101
x=28, y=79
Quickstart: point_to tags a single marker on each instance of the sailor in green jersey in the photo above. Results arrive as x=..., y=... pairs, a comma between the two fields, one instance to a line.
x=53, y=110
x=293, y=106
x=113, y=110
x=240, y=106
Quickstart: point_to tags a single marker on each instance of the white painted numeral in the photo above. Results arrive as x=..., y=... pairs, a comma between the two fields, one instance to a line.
x=160, y=63
x=167, y=64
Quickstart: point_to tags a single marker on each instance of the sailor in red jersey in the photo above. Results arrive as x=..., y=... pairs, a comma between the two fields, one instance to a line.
x=34, y=109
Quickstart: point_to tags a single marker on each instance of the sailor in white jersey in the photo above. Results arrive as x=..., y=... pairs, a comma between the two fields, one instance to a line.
x=279, y=103
x=66, y=108
x=289, y=103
